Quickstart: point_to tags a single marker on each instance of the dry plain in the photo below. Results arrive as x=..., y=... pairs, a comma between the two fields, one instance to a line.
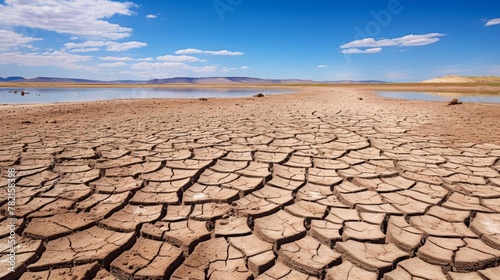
x=332, y=182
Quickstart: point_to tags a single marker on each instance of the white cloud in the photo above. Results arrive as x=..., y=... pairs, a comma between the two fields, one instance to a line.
x=12, y=40
x=111, y=64
x=189, y=51
x=85, y=50
x=493, y=21
x=355, y=50
x=223, y=52
x=197, y=51
x=117, y=47
x=109, y=45
x=245, y=67
x=178, y=58
x=56, y=58
x=115, y=58
x=78, y=17
x=151, y=16
x=73, y=38
x=375, y=45
x=322, y=66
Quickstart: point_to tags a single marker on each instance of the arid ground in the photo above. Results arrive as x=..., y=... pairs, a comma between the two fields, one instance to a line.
x=332, y=182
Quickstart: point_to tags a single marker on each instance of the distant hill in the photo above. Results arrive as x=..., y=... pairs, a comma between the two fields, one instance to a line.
x=189, y=80
x=455, y=79
x=249, y=80
x=11, y=79
x=227, y=80
x=486, y=79
x=358, y=82
x=58, y=80
x=450, y=79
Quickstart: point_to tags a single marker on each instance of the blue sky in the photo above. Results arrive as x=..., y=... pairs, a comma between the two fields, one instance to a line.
x=394, y=40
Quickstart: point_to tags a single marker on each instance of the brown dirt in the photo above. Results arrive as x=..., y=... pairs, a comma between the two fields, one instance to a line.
x=329, y=182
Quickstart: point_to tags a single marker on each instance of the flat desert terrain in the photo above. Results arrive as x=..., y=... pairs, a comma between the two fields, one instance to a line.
x=332, y=182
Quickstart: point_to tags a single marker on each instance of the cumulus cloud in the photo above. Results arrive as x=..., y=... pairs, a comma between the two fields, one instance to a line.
x=493, y=21
x=197, y=51
x=374, y=46
x=108, y=45
x=56, y=58
x=151, y=16
x=355, y=50
x=178, y=58
x=244, y=67
x=322, y=66
x=77, y=17
x=12, y=40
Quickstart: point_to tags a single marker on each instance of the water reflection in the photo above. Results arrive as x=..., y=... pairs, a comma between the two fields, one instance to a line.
x=442, y=96
x=50, y=95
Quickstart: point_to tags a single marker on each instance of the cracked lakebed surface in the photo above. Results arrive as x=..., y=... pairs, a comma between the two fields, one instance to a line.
x=329, y=183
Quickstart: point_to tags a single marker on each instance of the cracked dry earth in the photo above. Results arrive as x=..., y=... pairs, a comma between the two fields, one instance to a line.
x=317, y=185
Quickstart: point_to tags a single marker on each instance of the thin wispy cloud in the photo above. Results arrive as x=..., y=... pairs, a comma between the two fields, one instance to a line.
x=493, y=21
x=81, y=50
x=355, y=50
x=185, y=58
x=115, y=58
x=374, y=46
x=322, y=66
x=111, y=64
x=228, y=69
x=77, y=17
x=150, y=16
x=198, y=51
x=106, y=45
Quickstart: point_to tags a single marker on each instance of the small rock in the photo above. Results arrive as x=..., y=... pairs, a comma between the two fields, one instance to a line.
x=454, y=101
x=259, y=95
x=203, y=99
x=26, y=122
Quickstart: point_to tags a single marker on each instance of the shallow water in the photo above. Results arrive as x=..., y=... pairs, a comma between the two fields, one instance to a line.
x=50, y=95
x=442, y=96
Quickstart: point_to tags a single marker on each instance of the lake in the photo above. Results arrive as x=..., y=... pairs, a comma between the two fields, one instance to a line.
x=442, y=96
x=51, y=95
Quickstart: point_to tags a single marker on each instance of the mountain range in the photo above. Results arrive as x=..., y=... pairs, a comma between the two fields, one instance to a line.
x=189, y=80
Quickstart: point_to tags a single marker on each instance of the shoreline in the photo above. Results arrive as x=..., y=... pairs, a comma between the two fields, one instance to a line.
x=472, y=89
x=476, y=122
x=444, y=87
